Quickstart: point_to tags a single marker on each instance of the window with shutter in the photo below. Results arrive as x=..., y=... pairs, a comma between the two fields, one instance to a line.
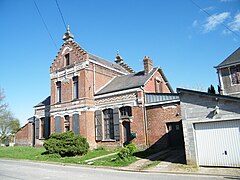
x=47, y=127
x=98, y=125
x=58, y=124
x=75, y=123
x=37, y=128
x=116, y=124
x=108, y=124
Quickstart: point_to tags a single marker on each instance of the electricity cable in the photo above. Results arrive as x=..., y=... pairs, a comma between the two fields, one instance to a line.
x=45, y=25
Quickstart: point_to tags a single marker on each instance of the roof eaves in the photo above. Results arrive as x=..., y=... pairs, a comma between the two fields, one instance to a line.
x=180, y=90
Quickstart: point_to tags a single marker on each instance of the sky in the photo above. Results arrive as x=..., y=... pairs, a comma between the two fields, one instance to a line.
x=184, y=40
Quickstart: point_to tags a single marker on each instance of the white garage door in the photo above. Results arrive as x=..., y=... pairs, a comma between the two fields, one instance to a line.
x=218, y=143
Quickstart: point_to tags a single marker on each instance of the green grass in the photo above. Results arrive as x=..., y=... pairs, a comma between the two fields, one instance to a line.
x=114, y=161
x=30, y=153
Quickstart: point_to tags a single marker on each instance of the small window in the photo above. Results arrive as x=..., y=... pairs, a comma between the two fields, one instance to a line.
x=235, y=74
x=75, y=87
x=59, y=91
x=158, y=85
x=126, y=111
x=66, y=123
x=67, y=59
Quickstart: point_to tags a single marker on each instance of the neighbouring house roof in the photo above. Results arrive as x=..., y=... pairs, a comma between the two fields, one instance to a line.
x=130, y=81
x=233, y=59
x=161, y=98
x=199, y=93
x=45, y=102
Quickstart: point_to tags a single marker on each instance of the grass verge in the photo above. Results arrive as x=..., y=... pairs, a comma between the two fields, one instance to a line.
x=30, y=153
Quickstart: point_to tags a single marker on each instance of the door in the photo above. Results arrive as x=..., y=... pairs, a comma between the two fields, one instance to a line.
x=175, y=134
x=218, y=143
x=126, y=132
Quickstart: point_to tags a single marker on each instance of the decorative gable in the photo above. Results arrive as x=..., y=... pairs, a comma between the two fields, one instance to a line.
x=70, y=53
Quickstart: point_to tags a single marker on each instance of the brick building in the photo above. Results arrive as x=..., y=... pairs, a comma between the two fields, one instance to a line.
x=104, y=101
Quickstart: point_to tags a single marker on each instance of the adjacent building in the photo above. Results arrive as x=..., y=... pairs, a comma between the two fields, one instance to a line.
x=229, y=74
x=211, y=122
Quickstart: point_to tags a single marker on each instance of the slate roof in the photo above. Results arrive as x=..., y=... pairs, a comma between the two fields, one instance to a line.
x=107, y=63
x=234, y=58
x=45, y=102
x=130, y=81
x=152, y=98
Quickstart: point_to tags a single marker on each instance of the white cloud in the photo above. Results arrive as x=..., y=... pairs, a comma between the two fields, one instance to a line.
x=235, y=24
x=195, y=23
x=207, y=8
x=214, y=20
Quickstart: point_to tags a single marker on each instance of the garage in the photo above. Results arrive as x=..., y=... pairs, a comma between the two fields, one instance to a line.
x=218, y=143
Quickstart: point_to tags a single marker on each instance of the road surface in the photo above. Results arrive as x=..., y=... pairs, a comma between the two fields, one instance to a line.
x=28, y=170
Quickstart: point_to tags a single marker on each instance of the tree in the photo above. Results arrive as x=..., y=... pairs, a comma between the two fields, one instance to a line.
x=211, y=90
x=8, y=124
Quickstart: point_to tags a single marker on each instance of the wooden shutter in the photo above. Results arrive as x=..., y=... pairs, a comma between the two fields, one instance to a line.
x=75, y=123
x=37, y=128
x=58, y=124
x=46, y=127
x=98, y=125
x=116, y=124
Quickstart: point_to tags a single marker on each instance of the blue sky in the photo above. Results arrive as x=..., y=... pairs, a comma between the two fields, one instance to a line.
x=179, y=37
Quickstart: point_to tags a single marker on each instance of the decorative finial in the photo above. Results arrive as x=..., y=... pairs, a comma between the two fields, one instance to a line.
x=118, y=58
x=68, y=36
x=68, y=28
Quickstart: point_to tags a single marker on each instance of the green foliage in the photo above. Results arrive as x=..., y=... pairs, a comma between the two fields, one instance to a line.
x=127, y=151
x=8, y=124
x=66, y=144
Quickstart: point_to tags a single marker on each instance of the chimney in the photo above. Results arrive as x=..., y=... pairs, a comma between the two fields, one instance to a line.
x=148, y=64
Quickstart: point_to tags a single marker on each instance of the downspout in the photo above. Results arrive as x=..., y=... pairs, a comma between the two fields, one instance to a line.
x=145, y=117
x=94, y=79
x=33, y=130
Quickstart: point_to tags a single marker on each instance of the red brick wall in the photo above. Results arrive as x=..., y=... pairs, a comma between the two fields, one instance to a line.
x=138, y=125
x=24, y=135
x=157, y=117
x=150, y=86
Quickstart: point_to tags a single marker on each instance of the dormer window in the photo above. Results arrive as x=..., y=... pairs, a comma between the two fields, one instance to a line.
x=235, y=74
x=67, y=59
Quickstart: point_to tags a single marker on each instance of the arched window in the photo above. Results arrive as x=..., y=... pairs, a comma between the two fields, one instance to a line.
x=59, y=91
x=67, y=59
x=126, y=111
x=108, y=124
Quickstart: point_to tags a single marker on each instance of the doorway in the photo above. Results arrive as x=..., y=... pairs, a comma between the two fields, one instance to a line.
x=126, y=132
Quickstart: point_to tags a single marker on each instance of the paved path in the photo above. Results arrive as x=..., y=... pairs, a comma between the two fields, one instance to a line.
x=171, y=162
x=100, y=157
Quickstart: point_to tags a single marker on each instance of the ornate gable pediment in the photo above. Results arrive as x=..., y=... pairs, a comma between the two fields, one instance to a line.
x=70, y=53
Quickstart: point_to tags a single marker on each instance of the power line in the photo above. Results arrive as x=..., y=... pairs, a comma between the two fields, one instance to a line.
x=45, y=25
x=215, y=19
x=61, y=14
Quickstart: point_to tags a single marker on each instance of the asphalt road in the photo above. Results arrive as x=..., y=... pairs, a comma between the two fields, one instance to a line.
x=12, y=169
